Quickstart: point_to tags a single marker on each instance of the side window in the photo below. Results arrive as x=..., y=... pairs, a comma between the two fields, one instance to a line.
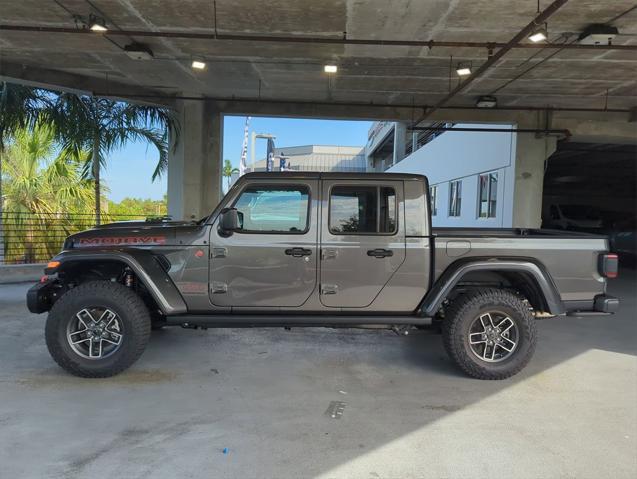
x=273, y=209
x=487, y=195
x=455, y=197
x=363, y=210
x=433, y=193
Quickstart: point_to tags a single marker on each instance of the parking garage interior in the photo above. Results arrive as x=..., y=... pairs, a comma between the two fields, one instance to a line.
x=599, y=177
x=252, y=403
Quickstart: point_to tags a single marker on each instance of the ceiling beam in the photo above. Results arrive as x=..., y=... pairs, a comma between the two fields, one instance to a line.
x=344, y=40
x=80, y=84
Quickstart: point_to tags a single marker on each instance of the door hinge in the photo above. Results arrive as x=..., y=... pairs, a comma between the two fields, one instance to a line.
x=329, y=289
x=219, y=288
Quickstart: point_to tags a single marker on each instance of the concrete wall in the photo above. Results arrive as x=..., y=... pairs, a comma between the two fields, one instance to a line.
x=20, y=273
x=464, y=156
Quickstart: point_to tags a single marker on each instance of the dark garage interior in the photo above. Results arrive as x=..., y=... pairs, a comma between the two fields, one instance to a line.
x=593, y=187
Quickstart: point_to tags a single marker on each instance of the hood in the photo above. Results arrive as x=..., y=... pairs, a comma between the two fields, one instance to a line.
x=133, y=233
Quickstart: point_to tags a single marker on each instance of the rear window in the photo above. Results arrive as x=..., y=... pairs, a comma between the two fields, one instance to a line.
x=363, y=210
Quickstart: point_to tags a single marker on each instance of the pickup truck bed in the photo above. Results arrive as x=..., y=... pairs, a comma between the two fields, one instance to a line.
x=570, y=258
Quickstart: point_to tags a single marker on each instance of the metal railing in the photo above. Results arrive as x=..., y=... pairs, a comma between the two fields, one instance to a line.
x=35, y=238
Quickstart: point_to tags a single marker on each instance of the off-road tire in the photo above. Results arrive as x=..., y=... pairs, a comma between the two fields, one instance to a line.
x=458, y=319
x=124, y=302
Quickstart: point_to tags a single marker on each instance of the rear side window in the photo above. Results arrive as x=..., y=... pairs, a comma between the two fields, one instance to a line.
x=273, y=209
x=363, y=210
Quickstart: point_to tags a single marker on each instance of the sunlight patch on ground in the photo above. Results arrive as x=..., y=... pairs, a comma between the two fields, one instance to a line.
x=580, y=421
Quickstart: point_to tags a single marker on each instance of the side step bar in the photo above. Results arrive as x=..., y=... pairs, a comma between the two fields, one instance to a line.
x=282, y=320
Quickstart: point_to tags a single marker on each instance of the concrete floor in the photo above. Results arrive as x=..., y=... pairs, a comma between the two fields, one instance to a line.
x=263, y=395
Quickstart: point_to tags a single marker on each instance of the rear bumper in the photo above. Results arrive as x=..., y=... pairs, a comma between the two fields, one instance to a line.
x=606, y=304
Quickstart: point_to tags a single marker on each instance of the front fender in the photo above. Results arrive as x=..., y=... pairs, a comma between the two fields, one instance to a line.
x=456, y=271
x=142, y=262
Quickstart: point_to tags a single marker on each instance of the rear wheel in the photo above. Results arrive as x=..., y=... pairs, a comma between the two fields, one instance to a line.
x=489, y=333
x=97, y=329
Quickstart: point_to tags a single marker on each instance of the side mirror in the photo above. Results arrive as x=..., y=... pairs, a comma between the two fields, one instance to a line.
x=229, y=221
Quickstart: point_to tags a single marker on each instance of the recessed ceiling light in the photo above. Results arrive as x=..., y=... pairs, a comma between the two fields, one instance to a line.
x=463, y=70
x=96, y=24
x=538, y=36
x=198, y=64
x=330, y=68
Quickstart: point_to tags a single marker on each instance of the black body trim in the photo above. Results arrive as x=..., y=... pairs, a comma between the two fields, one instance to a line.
x=305, y=320
x=454, y=273
x=143, y=263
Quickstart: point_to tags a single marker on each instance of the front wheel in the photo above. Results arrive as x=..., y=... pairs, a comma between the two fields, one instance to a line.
x=97, y=329
x=489, y=333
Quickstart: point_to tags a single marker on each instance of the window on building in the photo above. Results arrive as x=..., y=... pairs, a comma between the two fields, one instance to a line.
x=433, y=194
x=273, y=209
x=487, y=195
x=362, y=210
x=455, y=197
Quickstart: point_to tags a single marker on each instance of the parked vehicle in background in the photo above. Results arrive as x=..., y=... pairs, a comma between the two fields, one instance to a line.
x=573, y=217
x=623, y=240
x=318, y=249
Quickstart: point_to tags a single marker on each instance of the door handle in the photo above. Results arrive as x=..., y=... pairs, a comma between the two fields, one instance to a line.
x=380, y=253
x=298, y=252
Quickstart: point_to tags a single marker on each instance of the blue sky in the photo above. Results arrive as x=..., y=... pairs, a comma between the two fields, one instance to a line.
x=129, y=169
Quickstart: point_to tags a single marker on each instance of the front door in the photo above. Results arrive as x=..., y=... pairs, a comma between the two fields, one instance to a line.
x=362, y=242
x=272, y=260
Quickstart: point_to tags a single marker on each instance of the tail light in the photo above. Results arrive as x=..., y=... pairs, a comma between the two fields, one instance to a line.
x=608, y=265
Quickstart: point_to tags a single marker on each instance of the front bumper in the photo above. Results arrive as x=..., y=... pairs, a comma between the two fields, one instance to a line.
x=41, y=296
x=605, y=303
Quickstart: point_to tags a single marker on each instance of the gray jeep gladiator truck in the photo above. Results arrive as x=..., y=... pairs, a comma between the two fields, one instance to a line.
x=318, y=249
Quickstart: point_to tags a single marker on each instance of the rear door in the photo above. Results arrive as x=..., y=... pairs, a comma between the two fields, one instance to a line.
x=362, y=240
x=272, y=260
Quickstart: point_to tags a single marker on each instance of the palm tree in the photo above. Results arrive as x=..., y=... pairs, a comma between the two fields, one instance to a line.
x=227, y=171
x=19, y=108
x=101, y=126
x=41, y=182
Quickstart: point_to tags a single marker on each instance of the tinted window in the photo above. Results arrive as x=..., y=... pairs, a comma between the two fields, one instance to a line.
x=362, y=210
x=276, y=209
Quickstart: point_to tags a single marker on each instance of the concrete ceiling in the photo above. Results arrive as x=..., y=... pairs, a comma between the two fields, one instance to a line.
x=398, y=75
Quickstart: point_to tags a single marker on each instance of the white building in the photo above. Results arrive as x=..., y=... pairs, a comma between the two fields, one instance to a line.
x=317, y=158
x=471, y=174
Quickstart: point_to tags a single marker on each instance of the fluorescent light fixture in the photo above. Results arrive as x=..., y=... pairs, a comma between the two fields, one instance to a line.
x=330, y=68
x=463, y=71
x=198, y=64
x=138, y=51
x=598, y=34
x=487, y=101
x=538, y=36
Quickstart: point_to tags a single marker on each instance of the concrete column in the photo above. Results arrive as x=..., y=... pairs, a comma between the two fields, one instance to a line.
x=531, y=152
x=400, y=136
x=195, y=167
